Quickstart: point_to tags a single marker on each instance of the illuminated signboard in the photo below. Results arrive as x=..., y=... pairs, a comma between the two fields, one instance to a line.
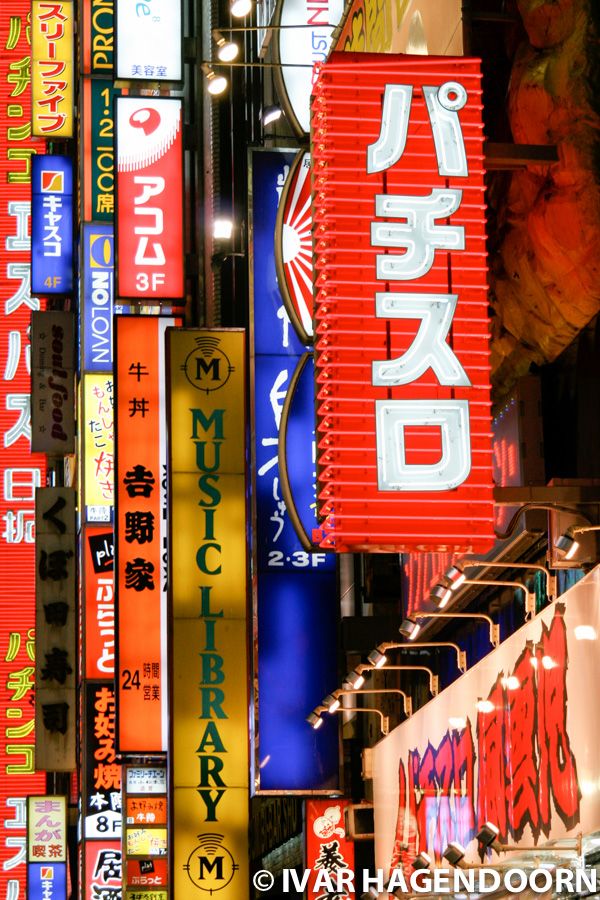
x=297, y=49
x=51, y=224
x=47, y=881
x=146, y=841
x=508, y=743
x=208, y=584
x=404, y=456
x=55, y=632
x=98, y=555
x=52, y=68
x=97, y=36
x=295, y=590
x=293, y=247
x=98, y=297
x=327, y=848
x=421, y=26
x=20, y=471
x=103, y=877
x=53, y=382
x=150, y=199
x=98, y=149
x=101, y=801
x=141, y=534
x=98, y=440
x=47, y=829
x=146, y=811
x=149, y=40
x=146, y=780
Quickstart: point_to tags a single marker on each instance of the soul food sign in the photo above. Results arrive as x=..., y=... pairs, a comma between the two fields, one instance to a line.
x=404, y=455
x=505, y=744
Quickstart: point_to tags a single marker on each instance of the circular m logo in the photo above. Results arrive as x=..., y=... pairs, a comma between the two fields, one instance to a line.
x=210, y=865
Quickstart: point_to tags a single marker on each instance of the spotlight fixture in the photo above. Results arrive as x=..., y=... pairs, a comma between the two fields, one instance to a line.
x=384, y=721
x=422, y=861
x=354, y=679
x=409, y=629
x=216, y=84
x=455, y=582
x=314, y=720
x=377, y=659
x=227, y=50
x=271, y=114
x=567, y=542
x=332, y=701
x=494, y=629
x=240, y=8
x=456, y=576
x=434, y=680
x=440, y=594
x=488, y=837
x=455, y=855
x=461, y=656
x=348, y=691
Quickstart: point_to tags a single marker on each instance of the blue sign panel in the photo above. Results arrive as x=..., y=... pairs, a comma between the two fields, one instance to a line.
x=296, y=593
x=47, y=881
x=98, y=297
x=51, y=224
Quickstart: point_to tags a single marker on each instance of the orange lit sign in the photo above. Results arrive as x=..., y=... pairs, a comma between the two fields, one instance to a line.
x=140, y=533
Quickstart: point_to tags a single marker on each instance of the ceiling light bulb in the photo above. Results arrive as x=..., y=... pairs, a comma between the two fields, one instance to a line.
x=240, y=8
x=216, y=84
x=227, y=51
x=222, y=229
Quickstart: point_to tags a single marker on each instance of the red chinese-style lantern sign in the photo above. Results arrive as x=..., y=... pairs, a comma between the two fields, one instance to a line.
x=402, y=346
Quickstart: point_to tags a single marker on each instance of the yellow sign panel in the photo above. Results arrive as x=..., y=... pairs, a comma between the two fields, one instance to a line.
x=99, y=455
x=52, y=68
x=209, y=594
x=146, y=841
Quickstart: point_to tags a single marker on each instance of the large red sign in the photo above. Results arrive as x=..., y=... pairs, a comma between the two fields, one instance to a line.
x=20, y=472
x=149, y=199
x=402, y=343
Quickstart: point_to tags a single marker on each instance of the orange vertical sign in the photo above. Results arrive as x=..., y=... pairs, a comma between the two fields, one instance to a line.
x=142, y=691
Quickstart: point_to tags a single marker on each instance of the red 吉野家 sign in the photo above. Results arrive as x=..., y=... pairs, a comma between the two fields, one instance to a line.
x=20, y=471
x=150, y=198
x=402, y=357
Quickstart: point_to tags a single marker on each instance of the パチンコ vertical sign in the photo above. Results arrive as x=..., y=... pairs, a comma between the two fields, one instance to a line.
x=150, y=199
x=208, y=583
x=140, y=527
x=402, y=346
